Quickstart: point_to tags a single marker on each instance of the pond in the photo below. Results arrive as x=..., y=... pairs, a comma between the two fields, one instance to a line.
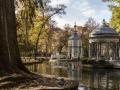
x=89, y=79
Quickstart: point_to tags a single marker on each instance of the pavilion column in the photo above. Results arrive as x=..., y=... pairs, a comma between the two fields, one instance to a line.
x=89, y=50
x=72, y=53
x=94, y=49
x=81, y=51
x=116, y=54
x=97, y=50
x=69, y=51
x=92, y=53
x=112, y=52
x=118, y=50
x=108, y=50
x=100, y=50
x=115, y=50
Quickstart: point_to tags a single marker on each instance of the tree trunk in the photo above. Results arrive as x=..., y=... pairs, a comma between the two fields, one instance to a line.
x=9, y=53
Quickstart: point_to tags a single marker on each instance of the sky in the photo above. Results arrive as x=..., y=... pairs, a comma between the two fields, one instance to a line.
x=80, y=10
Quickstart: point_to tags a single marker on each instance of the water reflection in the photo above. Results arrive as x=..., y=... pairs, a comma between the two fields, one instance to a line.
x=90, y=79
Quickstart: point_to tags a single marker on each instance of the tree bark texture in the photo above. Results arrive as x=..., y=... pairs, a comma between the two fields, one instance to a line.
x=9, y=53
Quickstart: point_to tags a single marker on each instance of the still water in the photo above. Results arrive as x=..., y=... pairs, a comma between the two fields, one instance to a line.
x=89, y=79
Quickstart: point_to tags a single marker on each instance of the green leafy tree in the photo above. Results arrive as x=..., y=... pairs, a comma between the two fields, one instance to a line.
x=115, y=8
x=34, y=19
x=115, y=20
x=26, y=14
x=46, y=18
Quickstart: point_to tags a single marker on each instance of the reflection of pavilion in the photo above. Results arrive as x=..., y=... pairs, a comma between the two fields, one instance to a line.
x=104, y=43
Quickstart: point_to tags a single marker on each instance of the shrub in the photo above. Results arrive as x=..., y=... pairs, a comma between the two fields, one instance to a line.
x=91, y=61
x=88, y=61
x=84, y=60
x=101, y=62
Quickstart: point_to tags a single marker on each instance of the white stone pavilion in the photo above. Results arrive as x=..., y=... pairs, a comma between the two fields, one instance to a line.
x=104, y=43
x=75, y=45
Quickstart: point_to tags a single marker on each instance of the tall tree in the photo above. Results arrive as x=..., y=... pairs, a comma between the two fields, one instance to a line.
x=91, y=24
x=26, y=14
x=48, y=12
x=115, y=20
x=10, y=61
x=115, y=8
x=45, y=13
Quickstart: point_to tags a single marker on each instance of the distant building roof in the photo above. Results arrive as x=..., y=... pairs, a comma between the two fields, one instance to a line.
x=75, y=36
x=104, y=31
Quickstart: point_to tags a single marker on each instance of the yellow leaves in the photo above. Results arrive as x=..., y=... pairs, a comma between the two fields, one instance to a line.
x=115, y=21
x=33, y=33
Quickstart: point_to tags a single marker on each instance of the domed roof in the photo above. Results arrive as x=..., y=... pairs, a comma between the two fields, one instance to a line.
x=104, y=31
x=74, y=36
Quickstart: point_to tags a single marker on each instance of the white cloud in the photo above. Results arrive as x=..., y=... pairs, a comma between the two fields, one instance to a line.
x=105, y=12
x=85, y=8
x=67, y=20
x=80, y=10
x=60, y=21
x=55, y=2
x=89, y=13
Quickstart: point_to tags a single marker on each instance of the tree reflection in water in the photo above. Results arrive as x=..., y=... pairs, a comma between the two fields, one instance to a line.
x=90, y=79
